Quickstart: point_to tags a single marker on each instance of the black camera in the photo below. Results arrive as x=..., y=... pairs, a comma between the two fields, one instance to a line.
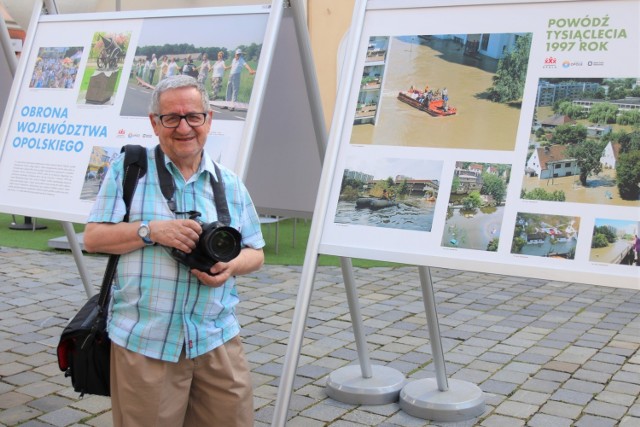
x=217, y=242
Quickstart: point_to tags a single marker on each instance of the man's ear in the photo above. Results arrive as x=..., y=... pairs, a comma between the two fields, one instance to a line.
x=154, y=123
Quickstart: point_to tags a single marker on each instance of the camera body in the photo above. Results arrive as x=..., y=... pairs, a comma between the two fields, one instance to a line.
x=217, y=242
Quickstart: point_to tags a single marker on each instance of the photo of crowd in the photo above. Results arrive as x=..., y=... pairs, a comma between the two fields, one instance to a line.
x=56, y=67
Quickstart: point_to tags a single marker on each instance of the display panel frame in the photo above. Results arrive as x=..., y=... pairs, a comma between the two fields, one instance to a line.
x=569, y=228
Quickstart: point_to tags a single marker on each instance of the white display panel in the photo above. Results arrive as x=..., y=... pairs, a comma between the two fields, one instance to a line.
x=62, y=127
x=495, y=182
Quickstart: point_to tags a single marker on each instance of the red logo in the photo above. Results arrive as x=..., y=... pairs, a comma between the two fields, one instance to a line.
x=550, y=62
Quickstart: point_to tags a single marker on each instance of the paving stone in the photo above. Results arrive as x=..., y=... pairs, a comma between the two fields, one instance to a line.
x=501, y=421
x=593, y=421
x=63, y=417
x=605, y=409
x=17, y=415
x=571, y=396
x=544, y=353
x=561, y=409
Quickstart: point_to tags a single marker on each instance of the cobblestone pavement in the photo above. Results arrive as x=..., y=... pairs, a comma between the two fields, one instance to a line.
x=545, y=353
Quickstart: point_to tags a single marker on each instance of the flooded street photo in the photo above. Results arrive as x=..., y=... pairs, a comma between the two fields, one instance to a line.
x=479, y=123
x=473, y=231
x=414, y=215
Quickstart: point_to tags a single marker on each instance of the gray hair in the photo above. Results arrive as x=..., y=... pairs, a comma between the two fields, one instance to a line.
x=177, y=82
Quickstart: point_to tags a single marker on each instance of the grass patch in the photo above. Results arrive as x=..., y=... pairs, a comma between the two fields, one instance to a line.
x=292, y=238
x=28, y=239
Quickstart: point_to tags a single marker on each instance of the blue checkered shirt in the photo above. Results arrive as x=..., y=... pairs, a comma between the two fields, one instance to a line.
x=157, y=307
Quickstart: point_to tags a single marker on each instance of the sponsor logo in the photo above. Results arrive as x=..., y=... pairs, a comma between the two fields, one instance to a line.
x=569, y=64
x=133, y=135
x=550, y=62
x=121, y=133
x=146, y=135
x=595, y=63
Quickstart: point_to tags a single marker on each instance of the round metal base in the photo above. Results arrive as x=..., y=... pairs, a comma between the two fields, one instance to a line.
x=423, y=399
x=26, y=226
x=349, y=386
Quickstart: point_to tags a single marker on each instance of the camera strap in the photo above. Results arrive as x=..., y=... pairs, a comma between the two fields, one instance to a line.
x=168, y=187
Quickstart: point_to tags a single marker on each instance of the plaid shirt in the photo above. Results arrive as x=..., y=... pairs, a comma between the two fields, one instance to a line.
x=157, y=306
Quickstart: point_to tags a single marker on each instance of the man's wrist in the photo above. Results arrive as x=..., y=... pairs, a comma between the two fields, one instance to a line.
x=144, y=232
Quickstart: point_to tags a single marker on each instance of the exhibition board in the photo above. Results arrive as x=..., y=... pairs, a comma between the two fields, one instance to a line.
x=504, y=133
x=83, y=86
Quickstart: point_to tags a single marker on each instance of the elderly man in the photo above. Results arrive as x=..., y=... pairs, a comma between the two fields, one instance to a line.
x=176, y=356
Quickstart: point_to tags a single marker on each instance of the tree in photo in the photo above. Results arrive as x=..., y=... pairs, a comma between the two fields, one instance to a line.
x=629, y=117
x=472, y=201
x=628, y=175
x=587, y=155
x=541, y=194
x=603, y=236
x=629, y=142
x=569, y=134
x=603, y=112
x=568, y=108
x=494, y=186
x=508, y=83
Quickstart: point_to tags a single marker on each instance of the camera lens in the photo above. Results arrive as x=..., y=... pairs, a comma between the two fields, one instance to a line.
x=222, y=243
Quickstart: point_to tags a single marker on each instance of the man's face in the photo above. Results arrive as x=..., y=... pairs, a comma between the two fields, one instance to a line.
x=183, y=143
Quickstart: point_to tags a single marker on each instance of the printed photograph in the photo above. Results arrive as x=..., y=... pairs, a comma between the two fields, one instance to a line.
x=103, y=72
x=476, y=206
x=615, y=242
x=224, y=61
x=551, y=236
x=584, y=145
x=389, y=193
x=99, y=162
x=447, y=90
x=56, y=68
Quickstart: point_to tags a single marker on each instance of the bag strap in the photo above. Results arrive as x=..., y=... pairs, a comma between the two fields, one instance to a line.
x=168, y=187
x=135, y=167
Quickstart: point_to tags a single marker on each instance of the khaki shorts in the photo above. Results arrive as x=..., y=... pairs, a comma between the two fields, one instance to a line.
x=211, y=390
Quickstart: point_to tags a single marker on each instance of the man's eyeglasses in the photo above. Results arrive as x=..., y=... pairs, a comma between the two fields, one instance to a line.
x=172, y=121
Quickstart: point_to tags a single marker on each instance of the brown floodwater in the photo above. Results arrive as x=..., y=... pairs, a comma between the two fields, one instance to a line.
x=601, y=189
x=479, y=123
x=611, y=253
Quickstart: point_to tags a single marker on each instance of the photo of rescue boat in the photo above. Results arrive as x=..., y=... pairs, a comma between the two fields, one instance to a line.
x=435, y=107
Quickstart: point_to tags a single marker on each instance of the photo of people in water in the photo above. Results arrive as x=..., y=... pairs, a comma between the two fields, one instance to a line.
x=552, y=236
x=445, y=90
x=389, y=193
x=476, y=206
x=584, y=144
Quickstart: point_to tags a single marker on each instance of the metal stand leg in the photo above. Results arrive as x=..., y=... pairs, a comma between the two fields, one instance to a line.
x=439, y=399
x=363, y=384
x=77, y=256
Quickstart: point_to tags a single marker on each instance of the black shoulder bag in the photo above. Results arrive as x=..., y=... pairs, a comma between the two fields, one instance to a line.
x=84, y=348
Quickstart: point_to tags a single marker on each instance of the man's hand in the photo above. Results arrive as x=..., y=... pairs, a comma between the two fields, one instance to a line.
x=217, y=275
x=182, y=234
x=248, y=261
